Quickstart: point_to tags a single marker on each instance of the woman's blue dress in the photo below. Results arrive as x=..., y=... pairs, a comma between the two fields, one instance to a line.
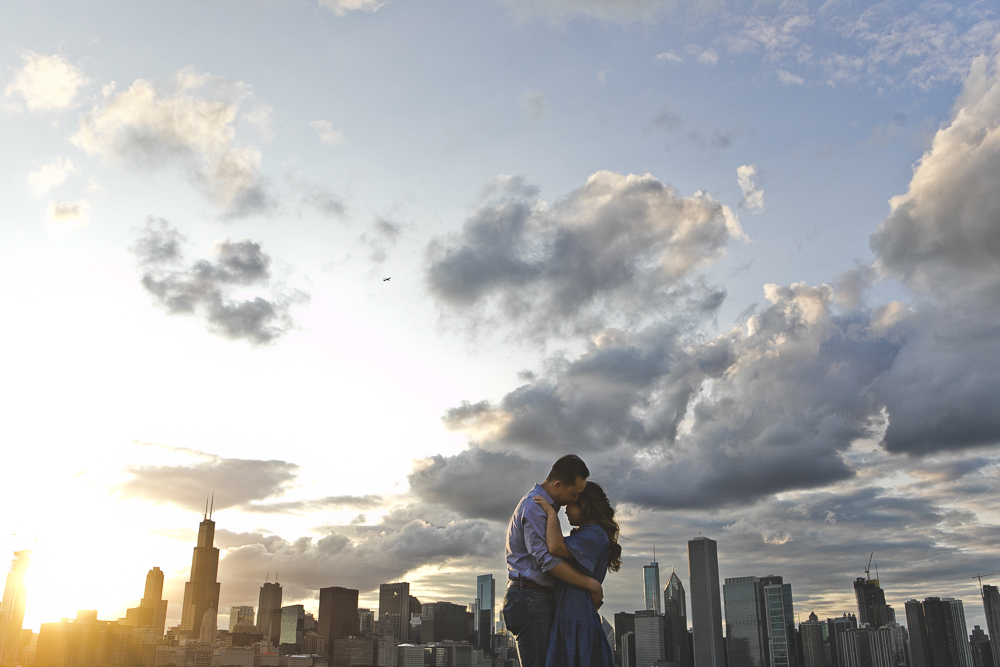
x=577, y=638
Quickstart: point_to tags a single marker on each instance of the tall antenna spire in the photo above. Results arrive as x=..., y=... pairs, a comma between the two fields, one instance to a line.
x=205, y=517
x=212, y=509
x=654, y=553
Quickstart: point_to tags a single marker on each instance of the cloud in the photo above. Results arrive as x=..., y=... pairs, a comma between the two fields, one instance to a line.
x=213, y=290
x=748, y=176
x=316, y=504
x=476, y=484
x=535, y=103
x=703, y=56
x=341, y=7
x=46, y=83
x=189, y=124
x=788, y=79
x=941, y=237
x=619, y=249
x=327, y=134
x=235, y=482
x=45, y=177
x=72, y=213
x=619, y=11
x=669, y=57
x=380, y=238
x=359, y=557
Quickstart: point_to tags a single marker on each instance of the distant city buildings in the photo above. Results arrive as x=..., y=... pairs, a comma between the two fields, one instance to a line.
x=746, y=622
x=241, y=617
x=338, y=613
x=991, y=607
x=394, y=611
x=269, y=611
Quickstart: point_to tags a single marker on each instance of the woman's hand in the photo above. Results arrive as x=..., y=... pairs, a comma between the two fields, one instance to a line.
x=546, y=505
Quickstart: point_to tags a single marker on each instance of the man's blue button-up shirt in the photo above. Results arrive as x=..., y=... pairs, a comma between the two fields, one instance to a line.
x=527, y=554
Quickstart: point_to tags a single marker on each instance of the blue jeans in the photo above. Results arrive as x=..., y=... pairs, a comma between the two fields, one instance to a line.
x=527, y=613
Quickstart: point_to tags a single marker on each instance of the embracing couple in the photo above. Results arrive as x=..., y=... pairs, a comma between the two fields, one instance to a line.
x=554, y=582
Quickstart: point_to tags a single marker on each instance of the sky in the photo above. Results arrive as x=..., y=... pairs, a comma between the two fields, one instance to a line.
x=365, y=268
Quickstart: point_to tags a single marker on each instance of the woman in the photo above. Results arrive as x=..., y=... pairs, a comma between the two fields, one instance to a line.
x=577, y=638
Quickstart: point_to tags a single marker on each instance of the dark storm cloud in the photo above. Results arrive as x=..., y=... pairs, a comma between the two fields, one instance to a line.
x=615, y=251
x=476, y=483
x=356, y=557
x=234, y=481
x=207, y=289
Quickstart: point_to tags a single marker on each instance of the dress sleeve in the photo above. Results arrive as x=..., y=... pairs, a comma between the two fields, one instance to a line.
x=586, y=543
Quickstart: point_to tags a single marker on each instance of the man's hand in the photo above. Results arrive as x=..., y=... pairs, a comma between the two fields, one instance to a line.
x=550, y=511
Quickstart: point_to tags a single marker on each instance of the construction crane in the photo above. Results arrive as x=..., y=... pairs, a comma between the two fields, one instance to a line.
x=868, y=568
x=980, y=578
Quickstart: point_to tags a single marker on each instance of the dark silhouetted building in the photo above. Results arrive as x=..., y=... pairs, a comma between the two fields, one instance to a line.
x=811, y=637
x=916, y=626
x=201, y=593
x=624, y=623
x=338, y=613
x=366, y=622
x=152, y=609
x=394, y=611
x=269, y=609
x=872, y=609
x=979, y=643
x=349, y=651
x=441, y=621
x=241, y=616
x=12, y=607
x=991, y=606
x=706, y=607
x=867, y=646
x=945, y=638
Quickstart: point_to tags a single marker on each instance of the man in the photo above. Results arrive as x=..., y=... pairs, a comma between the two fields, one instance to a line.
x=532, y=570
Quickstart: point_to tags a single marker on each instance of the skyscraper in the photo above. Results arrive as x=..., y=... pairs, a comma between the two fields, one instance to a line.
x=982, y=656
x=486, y=600
x=152, y=598
x=706, y=609
x=440, y=621
x=651, y=586
x=338, y=613
x=811, y=634
x=12, y=607
x=269, y=602
x=650, y=648
x=781, y=646
x=916, y=626
x=746, y=622
x=201, y=593
x=835, y=627
x=678, y=646
x=946, y=640
x=293, y=619
x=872, y=609
x=991, y=605
x=394, y=610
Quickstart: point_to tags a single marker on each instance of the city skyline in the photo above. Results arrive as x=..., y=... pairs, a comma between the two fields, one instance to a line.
x=366, y=268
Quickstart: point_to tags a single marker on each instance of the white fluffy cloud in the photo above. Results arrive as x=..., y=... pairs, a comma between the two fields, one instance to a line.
x=69, y=213
x=188, y=123
x=52, y=174
x=942, y=237
x=46, y=83
x=748, y=176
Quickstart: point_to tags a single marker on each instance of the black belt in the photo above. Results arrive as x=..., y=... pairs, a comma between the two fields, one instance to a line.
x=524, y=582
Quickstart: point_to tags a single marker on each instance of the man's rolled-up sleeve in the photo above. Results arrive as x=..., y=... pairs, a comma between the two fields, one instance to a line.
x=534, y=538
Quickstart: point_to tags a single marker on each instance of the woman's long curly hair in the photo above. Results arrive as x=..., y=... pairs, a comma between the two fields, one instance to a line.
x=596, y=508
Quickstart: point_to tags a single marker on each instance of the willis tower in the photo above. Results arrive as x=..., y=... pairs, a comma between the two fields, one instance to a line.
x=201, y=594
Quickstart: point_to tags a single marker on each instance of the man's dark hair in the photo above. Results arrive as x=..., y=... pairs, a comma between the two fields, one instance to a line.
x=567, y=469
